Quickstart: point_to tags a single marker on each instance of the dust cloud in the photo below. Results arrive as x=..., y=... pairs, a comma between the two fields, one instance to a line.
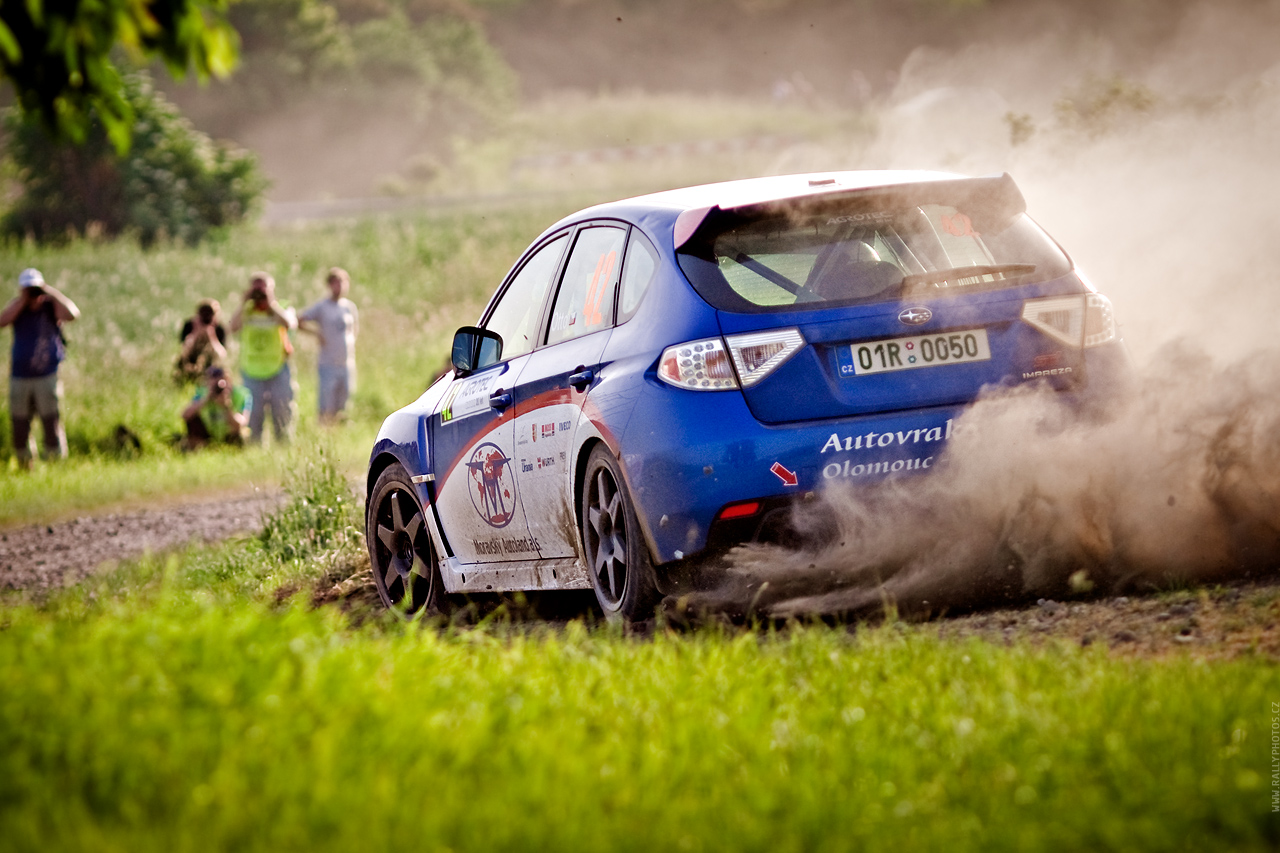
x=1162, y=183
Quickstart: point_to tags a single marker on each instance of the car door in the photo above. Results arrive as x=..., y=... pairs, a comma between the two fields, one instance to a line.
x=553, y=386
x=472, y=432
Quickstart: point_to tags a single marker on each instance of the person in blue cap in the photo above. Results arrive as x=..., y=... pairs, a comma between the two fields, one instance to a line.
x=37, y=314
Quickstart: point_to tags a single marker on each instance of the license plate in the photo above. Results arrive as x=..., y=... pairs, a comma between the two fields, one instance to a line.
x=889, y=354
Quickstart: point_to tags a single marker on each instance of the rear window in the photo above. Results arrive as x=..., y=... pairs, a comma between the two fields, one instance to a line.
x=867, y=249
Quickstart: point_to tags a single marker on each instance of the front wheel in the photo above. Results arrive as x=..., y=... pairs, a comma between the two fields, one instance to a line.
x=405, y=568
x=617, y=559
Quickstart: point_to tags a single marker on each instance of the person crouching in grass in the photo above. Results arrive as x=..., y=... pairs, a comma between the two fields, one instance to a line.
x=219, y=412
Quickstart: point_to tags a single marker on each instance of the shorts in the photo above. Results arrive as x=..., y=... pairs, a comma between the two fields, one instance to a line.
x=34, y=395
x=335, y=387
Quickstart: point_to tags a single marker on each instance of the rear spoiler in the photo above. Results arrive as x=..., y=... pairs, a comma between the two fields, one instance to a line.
x=993, y=198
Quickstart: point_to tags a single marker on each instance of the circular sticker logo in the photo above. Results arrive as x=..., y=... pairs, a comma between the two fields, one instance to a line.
x=492, y=488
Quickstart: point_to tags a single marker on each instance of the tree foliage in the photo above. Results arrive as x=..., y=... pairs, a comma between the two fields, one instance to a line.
x=173, y=182
x=418, y=57
x=58, y=55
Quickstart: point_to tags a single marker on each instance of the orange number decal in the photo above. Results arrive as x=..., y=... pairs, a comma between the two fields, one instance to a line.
x=599, y=284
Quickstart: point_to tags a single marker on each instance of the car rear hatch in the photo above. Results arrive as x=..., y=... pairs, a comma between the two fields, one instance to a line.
x=888, y=299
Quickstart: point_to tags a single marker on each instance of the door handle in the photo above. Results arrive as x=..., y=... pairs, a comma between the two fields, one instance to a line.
x=582, y=378
x=499, y=399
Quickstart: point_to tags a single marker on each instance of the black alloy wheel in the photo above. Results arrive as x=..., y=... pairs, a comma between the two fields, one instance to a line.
x=405, y=567
x=617, y=558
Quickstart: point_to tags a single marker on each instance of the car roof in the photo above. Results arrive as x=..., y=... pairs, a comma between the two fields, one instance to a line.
x=740, y=193
x=667, y=206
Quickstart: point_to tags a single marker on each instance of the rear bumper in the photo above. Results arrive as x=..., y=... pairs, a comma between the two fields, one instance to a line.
x=687, y=454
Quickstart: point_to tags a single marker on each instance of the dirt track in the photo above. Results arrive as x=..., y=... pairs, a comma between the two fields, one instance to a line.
x=51, y=555
x=1216, y=622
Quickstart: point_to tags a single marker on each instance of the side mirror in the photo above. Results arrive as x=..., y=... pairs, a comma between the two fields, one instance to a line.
x=475, y=349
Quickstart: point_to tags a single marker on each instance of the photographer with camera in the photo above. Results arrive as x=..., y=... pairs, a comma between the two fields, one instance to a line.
x=218, y=413
x=37, y=314
x=203, y=343
x=264, y=325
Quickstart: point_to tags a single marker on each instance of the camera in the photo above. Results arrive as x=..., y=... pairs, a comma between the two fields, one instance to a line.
x=206, y=315
x=220, y=386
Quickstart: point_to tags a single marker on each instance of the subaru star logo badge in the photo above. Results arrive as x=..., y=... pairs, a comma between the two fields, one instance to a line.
x=915, y=316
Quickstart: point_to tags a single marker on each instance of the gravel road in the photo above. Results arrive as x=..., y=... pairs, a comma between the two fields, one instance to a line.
x=50, y=555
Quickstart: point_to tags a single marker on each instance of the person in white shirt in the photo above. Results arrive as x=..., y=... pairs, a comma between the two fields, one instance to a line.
x=335, y=321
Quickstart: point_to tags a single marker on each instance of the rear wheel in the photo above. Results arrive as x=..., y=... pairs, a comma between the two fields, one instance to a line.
x=617, y=559
x=405, y=567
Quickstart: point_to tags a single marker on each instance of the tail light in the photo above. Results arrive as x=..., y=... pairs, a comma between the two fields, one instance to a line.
x=698, y=366
x=1076, y=321
x=1099, y=320
x=720, y=365
x=758, y=354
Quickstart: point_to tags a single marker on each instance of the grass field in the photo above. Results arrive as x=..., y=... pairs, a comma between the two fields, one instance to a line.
x=175, y=712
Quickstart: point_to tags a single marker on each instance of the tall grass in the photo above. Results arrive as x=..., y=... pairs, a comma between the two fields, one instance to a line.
x=173, y=722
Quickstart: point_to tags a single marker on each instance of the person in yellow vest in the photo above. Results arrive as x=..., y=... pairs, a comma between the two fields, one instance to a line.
x=264, y=325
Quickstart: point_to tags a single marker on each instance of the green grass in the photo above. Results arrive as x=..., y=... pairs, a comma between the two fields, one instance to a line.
x=171, y=720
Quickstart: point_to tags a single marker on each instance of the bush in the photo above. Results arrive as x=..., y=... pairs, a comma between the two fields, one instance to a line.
x=322, y=513
x=173, y=182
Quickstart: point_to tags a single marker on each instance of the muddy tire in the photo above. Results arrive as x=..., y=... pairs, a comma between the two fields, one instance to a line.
x=405, y=567
x=616, y=555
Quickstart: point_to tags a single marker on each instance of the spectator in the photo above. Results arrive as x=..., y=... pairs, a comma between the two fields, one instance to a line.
x=335, y=321
x=204, y=343
x=37, y=314
x=264, y=325
x=218, y=413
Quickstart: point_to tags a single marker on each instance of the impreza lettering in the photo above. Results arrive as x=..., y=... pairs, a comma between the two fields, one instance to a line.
x=1057, y=371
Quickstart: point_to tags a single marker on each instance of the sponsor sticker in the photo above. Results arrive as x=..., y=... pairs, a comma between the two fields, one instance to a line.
x=871, y=440
x=468, y=397
x=502, y=546
x=492, y=484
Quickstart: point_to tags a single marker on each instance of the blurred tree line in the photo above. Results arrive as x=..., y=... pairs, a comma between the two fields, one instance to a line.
x=94, y=146
x=426, y=55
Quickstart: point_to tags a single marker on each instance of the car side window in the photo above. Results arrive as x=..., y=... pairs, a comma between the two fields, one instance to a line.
x=585, y=301
x=637, y=273
x=516, y=315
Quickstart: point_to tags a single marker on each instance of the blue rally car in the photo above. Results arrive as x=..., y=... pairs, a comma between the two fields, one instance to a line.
x=660, y=378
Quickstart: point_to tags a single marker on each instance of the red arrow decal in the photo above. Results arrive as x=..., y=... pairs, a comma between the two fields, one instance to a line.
x=788, y=478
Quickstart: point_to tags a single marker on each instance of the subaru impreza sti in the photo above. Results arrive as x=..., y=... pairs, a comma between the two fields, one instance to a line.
x=663, y=377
